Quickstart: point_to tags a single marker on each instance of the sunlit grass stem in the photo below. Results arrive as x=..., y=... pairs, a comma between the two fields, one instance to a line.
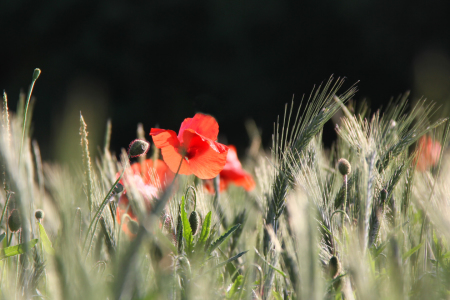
x=36, y=74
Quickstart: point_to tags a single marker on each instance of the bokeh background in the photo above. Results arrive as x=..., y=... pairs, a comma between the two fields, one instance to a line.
x=158, y=62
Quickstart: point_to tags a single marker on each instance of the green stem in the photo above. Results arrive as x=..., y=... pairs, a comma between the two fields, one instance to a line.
x=345, y=198
x=99, y=211
x=26, y=110
x=5, y=207
x=10, y=238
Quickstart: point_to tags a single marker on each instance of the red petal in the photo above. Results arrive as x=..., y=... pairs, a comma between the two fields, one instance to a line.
x=239, y=178
x=204, y=125
x=121, y=211
x=167, y=141
x=164, y=138
x=233, y=162
x=157, y=174
x=206, y=158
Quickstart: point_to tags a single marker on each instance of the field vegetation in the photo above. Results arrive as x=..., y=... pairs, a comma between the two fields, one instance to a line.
x=367, y=219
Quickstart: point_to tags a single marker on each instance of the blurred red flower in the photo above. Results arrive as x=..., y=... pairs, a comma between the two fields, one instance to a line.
x=232, y=173
x=195, y=144
x=429, y=152
x=148, y=178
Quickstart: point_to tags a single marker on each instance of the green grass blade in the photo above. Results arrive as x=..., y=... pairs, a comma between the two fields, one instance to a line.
x=230, y=260
x=412, y=251
x=270, y=265
x=18, y=249
x=206, y=228
x=187, y=231
x=222, y=238
x=45, y=240
x=235, y=287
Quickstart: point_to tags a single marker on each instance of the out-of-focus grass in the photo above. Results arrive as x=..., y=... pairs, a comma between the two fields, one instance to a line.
x=293, y=237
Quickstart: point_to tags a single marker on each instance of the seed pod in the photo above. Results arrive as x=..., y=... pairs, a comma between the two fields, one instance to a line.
x=39, y=214
x=194, y=222
x=138, y=148
x=14, y=221
x=334, y=267
x=133, y=226
x=344, y=167
x=118, y=188
x=383, y=196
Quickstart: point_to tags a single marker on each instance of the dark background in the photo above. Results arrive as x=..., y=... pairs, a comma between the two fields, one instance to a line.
x=158, y=62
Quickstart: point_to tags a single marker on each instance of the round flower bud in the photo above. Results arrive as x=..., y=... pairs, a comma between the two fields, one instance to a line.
x=194, y=222
x=138, y=148
x=133, y=226
x=344, y=167
x=14, y=221
x=36, y=73
x=118, y=188
x=39, y=214
x=334, y=267
x=383, y=195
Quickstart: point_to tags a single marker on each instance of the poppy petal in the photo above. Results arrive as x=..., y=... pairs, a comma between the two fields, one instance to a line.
x=206, y=158
x=239, y=178
x=157, y=174
x=167, y=141
x=163, y=138
x=204, y=125
x=233, y=162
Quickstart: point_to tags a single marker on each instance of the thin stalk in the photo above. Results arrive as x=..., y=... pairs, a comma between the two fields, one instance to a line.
x=36, y=74
x=10, y=238
x=99, y=211
x=5, y=207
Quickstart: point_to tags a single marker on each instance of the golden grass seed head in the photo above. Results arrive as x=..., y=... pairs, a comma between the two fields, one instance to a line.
x=344, y=167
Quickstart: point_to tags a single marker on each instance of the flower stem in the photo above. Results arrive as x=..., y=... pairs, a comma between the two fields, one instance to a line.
x=99, y=211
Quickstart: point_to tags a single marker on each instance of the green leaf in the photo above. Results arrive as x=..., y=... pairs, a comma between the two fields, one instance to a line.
x=277, y=295
x=412, y=251
x=18, y=249
x=234, y=288
x=2, y=236
x=187, y=231
x=230, y=260
x=222, y=238
x=45, y=240
x=271, y=266
x=206, y=228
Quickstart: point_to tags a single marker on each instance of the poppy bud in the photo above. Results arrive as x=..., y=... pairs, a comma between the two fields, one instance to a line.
x=138, y=148
x=194, y=221
x=118, y=188
x=383, y=195
x=39, y=214
x=14, y=221
x=344, y=167
x=133, y=226
x=36, y=74
x=334, y=267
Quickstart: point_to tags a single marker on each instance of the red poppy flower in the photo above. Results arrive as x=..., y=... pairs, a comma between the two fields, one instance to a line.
x=232, y=173
x=429, y=152
x=148, y=178
x=195, y=144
